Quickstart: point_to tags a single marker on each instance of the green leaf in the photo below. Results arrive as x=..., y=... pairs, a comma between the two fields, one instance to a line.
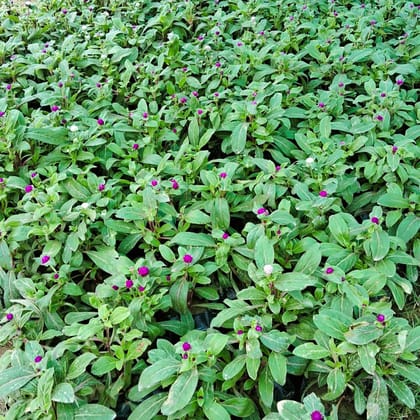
x=215, y=343
x=275, y=340
x=197, y=217
x=309, y=261
x=291, y=410
x=339, y=229
x=79, y=365
x=252, y=366
x=215, y=411
x=50, y=135
x=282, y=218
x=13, y=379
x=63, y=393
x=359, y=400
x=149, y=408
x=45, y=385
x=76, y=190
x=289, y=282
x=94, y=412
x=332, y=323
x=251, y=293
x=363, y=334
x=220, y=214
x=194, y=132
x=234, y=367
x=103, y=365
x=367, y=356
x=264, y=251
x=377, y=403
x=181, y=392
x=179, y=294
x=278, y=367
x=266, y=387
x=239, y=406
x=325, y=127
x=238, y=139
x=311, y=351
x=409, y=227
x=412, y=343
x=410, y=372
x=130, y=213
x=393, y=200
x=6, y=261
x=159, y=371
x=193, y=239
x=336, y=382
x=379, y=245
x=226, y=315
x=402, y=391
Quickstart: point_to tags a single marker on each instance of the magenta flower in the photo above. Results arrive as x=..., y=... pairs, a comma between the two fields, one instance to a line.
x=101, y=187
x=200, y=37
x=183, y=100
x=9, y=316
x=33, y=174
x=100, y=121
x=8, y=86
x=56, y=276
x=115, y=287
x=194, y=93
x=374, y=220
x=135, y=146
x=216, y=94
x=188, y=259
x=399, y=82
x=186, y=346
x=240, y=332
x=141, y=288
x=316, y=415
x=394, y=149
x=1, y=180
x=323, y=193
x=262, y=211
x=225, y=235
x=185, y=356
x=379, y=117
x=2, y=113
x=239, y=44
x=223, y=175
x=278, y=167
x=199, y=111
x=217, y=64
x=380, y=318
x=153, y=182
x=341, y=84
x=98, y=85
x=258, y=328
x=38, y=359
x=143, y=271
x=55, y=108
x=383, y=94
x=45, y=259
x=262, y=33
x=175, y=184
x=321, y=105
x=145, y=115
x=60, y=84
x=184, y=69
x=29, y=188
x=129, y=284
x=373, y=22
x=329, y=270
x=64, y=11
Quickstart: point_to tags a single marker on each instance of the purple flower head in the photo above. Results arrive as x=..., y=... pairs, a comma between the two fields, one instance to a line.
x=225, y=235
x=186, y=346
x=217, y=64
x=38, y=359
x=383, y=94
x=9, y=316
x=153, y=182
x=335, y=13
x=145, y=115
x=101, y=187
x=291, y=18
x=55, y=108
x=100, y=121
x=8, y=86
x=223, y=175
x=258, y=328
x=239, y=44
x=341, y=84
x=380, y=318
x=199, y=111
x=321, y=105
x=216, y=94
x=45, y=259
x=240, y=332
x=115, y=287
x=329, y=270
x=60, y=84
x=379, y=117
x=399, y=82
x=141, y=288
x=363, y=5
x=185, y=356
x=262, y=33
x=316, y=415
x=278, y=168
x=374, y=220
x=194, y=93
x=373, y=22
x=188, y=259
x=29, y=188
x=143, y=271
x=2, y=113
x=217, y=33
x=184, y=69
x=394, y=149
x=129, y=284
x=33, y=174
x=98, y=85
x=175, y=184
x=64, y=11
x=323, y=193
x=200, y=37
x=304, y=7
x=56, y=276
x=1, y=180
x=183, y=100
x=135, y=146
x=43, y=51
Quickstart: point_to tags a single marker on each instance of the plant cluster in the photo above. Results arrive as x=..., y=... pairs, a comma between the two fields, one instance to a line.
x=209, y=210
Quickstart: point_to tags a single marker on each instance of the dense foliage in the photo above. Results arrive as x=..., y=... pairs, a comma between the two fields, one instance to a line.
x=209, y=207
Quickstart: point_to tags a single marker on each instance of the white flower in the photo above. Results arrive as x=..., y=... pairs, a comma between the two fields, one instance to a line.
x=171, y=36
x=207, y=47
x=310, y=161
x=73, y=128
x=84, y=205
x=103, y=56
x=268, y=269
x=253, y=19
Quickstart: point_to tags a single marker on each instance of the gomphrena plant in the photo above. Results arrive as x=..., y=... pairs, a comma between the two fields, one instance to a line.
x=209, y=210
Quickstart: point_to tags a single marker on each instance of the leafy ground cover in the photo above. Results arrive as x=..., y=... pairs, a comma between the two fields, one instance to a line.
x=209, y=210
